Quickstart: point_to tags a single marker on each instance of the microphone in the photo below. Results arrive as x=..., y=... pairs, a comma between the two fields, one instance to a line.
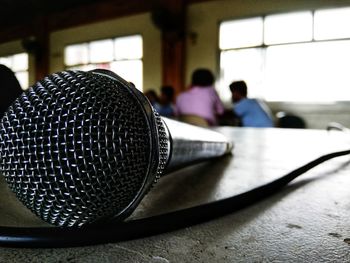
x=82, y=148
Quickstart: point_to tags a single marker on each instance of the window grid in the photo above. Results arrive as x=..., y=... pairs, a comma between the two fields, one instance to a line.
x=105, y=54
x=225, y=80
x=286, y=43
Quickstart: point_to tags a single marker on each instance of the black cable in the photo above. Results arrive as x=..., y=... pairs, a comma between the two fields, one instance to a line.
x=138, y=228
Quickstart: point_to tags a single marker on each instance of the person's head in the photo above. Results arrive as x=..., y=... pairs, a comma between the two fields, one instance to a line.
x=9, y=87
x=239, y=90
x=202, y=77
x=151, y=96
x=167, y=94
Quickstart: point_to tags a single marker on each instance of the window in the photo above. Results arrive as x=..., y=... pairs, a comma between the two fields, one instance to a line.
x=287, y=28
x=332, y=24
x=123, y=55
x=241, y=33
x=18, y=63
x=303, y=57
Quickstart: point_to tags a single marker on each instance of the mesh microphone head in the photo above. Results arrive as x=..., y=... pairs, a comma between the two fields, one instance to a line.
x=80, y=147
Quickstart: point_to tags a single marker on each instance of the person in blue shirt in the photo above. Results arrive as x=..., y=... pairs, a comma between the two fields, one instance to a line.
x=251, y=112
x=165, y=106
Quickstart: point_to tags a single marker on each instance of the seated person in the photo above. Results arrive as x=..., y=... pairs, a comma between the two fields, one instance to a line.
x=201, y=99
x=165, y=106
x=152, y=97
x=251, y=112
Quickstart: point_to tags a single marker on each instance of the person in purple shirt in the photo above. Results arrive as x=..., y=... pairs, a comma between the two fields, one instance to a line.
x=251, y=112
x=201, y=99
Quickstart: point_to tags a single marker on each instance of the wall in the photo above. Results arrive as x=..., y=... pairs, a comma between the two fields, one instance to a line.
x=10, y=48
x=137, y=24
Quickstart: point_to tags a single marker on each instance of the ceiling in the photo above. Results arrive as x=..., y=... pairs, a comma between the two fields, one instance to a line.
x=14, y=12
x=24, y=18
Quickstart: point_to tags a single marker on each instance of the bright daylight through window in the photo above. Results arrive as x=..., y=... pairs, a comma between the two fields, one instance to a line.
x=300, y=57
x=122, y=55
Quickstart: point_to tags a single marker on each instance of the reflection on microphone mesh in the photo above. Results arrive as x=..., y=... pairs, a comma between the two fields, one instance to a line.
x=75, y=148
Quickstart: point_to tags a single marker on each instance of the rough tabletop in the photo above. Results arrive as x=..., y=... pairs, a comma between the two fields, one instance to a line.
x=306, y=221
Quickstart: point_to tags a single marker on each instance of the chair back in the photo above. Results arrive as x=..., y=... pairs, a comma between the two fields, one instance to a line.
x=194, y=120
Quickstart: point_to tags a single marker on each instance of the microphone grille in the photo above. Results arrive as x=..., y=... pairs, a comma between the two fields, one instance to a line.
x=77, y=147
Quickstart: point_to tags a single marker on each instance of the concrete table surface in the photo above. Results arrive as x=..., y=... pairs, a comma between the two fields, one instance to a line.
x=307, y=221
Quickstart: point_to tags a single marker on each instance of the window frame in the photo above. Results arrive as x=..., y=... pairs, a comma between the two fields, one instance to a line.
x=104, y=64
x=265, y=46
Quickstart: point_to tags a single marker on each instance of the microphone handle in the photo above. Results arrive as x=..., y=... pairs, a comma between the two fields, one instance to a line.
x=192, y=144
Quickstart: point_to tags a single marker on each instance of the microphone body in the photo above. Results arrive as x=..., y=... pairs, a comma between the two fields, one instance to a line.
x=191, y=144
x=84, y=147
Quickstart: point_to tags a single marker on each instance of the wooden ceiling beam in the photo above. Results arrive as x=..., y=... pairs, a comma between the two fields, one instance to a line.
x=84, y=14
x=97, y=12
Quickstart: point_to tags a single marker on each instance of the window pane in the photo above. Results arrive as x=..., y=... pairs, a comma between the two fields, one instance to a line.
x=286, y=28
x=7, y=61
x=332, y=23
x=241, y=33
x=20, y=62
x=76, y=54
x=101, y=51
x=122, y=55
x=130, y=70
x=313, y=72
x=23, y=79
x=128, y=47
x=244, y=64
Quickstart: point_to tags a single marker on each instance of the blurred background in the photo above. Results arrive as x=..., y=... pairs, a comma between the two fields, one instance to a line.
x=294, y=55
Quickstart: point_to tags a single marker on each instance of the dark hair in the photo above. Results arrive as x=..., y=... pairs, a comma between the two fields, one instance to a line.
x=10, y=88
x=152, y=96
x=202, y=77
x=240, y=87
x=168, y=91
